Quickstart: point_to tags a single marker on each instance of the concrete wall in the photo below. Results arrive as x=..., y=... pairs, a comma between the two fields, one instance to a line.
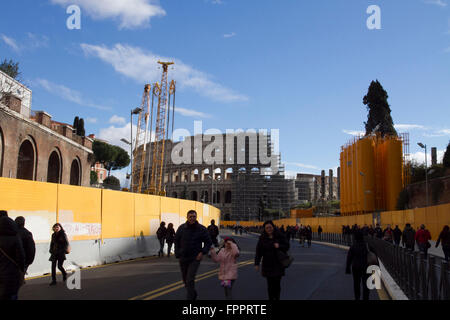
x=103, y=226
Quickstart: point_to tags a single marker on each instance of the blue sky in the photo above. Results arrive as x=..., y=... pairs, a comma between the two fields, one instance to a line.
x=299, y=66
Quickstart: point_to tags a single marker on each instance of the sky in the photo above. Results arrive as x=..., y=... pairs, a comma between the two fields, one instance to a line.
x=300, y=66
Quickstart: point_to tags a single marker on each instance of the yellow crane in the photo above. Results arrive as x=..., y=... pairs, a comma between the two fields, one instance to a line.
x=165, y=93
x=142, y=136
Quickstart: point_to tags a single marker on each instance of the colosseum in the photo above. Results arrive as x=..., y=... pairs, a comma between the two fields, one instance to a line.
x=240, y=178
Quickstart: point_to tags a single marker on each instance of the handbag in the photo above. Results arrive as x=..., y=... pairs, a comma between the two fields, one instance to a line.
x=284, y=258
x=372, y=259
x=21, y=273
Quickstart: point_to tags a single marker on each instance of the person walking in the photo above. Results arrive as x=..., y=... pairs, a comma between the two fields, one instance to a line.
x=228, y=270
x=213, y=233
x=192, y=241
x=28, y=243
x=269, y=244
x=357, y=265
x=378, y=231
x=59, y=247
x=408, y=237
x=308, y=235
x=161, y=235
x=397, y=233
x=3, y=213
x=444, y=237
x=388, y=234
x=170, y=238
x=12, y=260
x=422, y=238
x=319, y=231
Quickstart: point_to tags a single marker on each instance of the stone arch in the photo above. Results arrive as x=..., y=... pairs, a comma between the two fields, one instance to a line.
x=27, y=160
x=228, y=173
x=228, y=196
x=205, y=196
x=194, y=195
x=174, y=194
x=217, y=174
x=255, y=171
x=242, y=170
x=75, y=172
x=205, y=174
x=195, y=177
x=54, y=169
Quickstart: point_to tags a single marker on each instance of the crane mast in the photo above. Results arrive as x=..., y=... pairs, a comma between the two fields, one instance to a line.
x=161, y=128
x=141, y=141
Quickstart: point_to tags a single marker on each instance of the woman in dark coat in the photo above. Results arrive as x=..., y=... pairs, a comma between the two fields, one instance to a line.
x=444, y=237
x=58, y=249
x=12, y=260
x=270, y=242
x=161, y=235
x=357, y=265
x=170, y=238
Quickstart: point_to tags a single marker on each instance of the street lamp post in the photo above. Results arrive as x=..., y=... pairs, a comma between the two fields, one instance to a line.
x=131, y=151
x=426, y=171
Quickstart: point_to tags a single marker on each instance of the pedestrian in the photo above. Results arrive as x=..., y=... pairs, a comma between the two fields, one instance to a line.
x=357, y=265
x=378, y=232
x=302, y=235
x=408, y=237
x=28, y=243
x=3, y=213
x=161, y=235
x=308, y=235
x=422, y=238
x=12, y=260
x=228, y=270
x=270, y=243
x=397, y=233
x=192, y=241
x=319, y=231
x=213, y=233
x=170, y=238
x=444, y=237
x=371, y=231
x=240, y=230
x=288, y=233
x=388, y=234
x=59, y=247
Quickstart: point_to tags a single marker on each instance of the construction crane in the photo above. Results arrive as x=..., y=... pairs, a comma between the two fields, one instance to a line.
x=165, y=94
x=142, y=136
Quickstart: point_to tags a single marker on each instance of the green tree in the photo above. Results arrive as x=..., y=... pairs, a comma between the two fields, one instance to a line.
x=111, y=183
x=379, y=118
x=446, y=160
x=80, y=129
x=75, y=123
x=11, y=68
x=112, y=157
x=94, y=177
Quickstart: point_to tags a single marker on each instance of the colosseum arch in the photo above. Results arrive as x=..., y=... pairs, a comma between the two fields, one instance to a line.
x=228, y=196
x=228, y=173
x=194, y=196
x=218, y=174
x=54, y=169
x=205, y=174
x=75, y=172
x=27, y=160
x=174, y=195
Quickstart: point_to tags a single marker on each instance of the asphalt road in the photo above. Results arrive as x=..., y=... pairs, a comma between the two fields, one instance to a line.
x=317, y=273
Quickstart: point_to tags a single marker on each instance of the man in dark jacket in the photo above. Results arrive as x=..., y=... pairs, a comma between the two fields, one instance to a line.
x=213, y=233
x=357, y=265
x=161, y=235
x=408, y=237
x=378, y=232
x=12, y=260
x=397, y=235
x=192, y=241
x=27, y=241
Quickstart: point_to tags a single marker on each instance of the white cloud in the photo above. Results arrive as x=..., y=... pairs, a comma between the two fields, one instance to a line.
x=117, y=120
x=140, y=65
x=130, y=13
x=216, y=1
x=10, y=42
x=439, y=3
x=419, y=156
x=301, y=165
x=91, y=120
x=37, y=41
x=229, y=35
x=409, y=127
x=191, y=113
x=67, y=94
x=438, y=133
x=354, y=132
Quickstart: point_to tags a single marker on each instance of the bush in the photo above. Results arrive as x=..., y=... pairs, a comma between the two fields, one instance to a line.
x=94, y=177
x=446, y=160
x=111, y=183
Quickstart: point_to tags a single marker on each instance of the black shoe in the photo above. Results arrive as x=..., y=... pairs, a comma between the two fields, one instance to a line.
x=53, y=283
x=65, y=278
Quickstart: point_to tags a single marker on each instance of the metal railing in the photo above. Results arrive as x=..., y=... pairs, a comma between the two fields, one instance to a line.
x=419, y=278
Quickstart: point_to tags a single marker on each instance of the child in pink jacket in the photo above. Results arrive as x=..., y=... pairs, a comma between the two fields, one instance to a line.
x=228, y=267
